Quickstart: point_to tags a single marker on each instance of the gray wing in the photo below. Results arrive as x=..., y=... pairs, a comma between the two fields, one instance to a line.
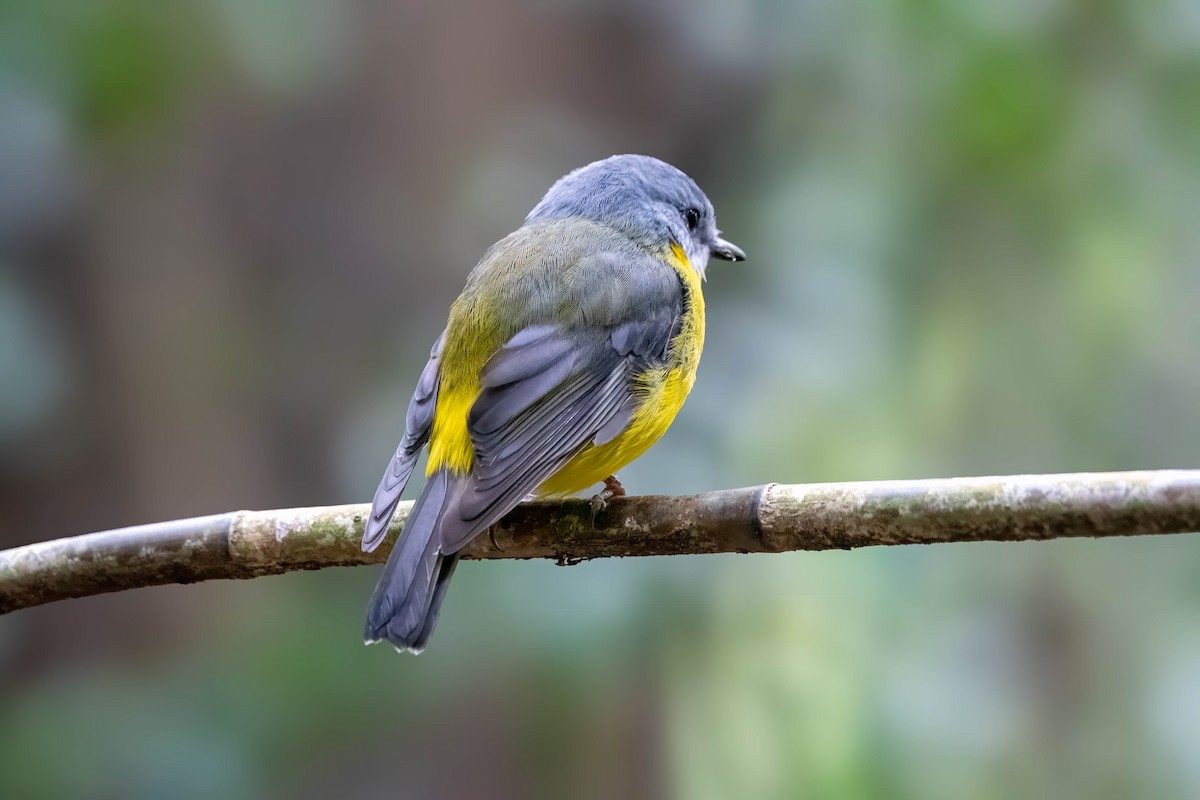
x=417, y=424
x=549, y=392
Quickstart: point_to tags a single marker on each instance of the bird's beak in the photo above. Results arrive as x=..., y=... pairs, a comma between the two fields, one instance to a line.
x=728, y=251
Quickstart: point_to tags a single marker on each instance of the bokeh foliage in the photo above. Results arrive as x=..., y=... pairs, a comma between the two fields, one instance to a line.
x=229, y=232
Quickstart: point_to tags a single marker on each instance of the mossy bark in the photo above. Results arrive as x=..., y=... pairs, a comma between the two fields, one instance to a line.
x=772, y=518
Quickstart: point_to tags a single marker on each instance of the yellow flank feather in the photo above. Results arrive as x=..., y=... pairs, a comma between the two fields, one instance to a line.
x=450, y=443
x=475, y=337
x=661, y=393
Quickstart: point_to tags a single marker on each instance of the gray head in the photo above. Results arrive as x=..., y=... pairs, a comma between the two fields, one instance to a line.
x=648, y=200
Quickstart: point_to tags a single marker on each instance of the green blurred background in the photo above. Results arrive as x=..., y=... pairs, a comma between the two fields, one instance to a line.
x=230, y=230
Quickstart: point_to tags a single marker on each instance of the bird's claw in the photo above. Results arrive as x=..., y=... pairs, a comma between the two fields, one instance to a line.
x=492, y=535
x=612, y=488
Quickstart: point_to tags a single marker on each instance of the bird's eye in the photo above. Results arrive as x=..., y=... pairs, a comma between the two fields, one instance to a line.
x=692, y=215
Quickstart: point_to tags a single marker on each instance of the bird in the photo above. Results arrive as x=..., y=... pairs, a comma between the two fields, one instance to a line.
x=569, y=353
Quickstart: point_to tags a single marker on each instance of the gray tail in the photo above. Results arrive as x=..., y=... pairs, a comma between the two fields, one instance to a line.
x=404, y=608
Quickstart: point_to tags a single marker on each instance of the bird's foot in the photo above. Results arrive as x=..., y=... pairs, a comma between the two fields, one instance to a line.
x=612, y=488
x=492, y=535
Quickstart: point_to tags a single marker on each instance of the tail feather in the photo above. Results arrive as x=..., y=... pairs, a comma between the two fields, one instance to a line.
x=404, y=606
x=446, y=565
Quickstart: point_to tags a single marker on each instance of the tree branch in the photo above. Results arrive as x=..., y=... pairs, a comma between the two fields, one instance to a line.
x=765, y=519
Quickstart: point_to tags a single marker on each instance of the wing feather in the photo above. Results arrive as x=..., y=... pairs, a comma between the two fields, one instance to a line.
x=418, y=423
